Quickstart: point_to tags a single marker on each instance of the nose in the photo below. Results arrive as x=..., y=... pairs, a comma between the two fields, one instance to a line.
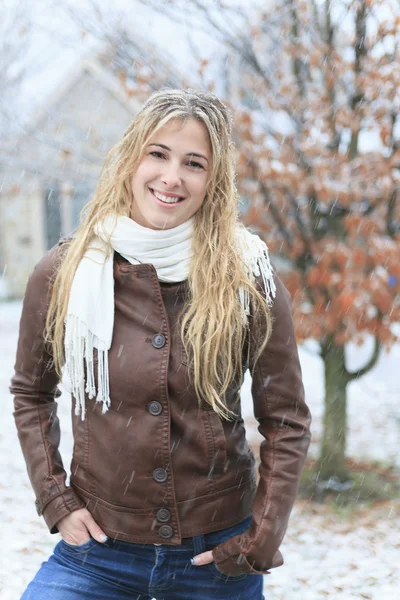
x=171, y=176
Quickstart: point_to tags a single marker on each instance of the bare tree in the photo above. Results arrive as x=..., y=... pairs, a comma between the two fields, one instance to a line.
x=15, y=36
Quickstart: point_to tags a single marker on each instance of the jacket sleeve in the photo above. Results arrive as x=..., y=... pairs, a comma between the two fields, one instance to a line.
x=284, y=422
x=34, y=386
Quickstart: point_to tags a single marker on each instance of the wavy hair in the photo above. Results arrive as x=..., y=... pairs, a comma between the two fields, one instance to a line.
x=213, y=331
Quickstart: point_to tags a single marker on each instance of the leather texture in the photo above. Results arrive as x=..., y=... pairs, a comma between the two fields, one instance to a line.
x=156, y=427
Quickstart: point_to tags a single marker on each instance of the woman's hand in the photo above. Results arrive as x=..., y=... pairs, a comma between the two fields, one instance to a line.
x=77, y=528
x=203, y=559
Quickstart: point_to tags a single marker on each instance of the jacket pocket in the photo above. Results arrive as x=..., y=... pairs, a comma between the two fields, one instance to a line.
x=216, y=442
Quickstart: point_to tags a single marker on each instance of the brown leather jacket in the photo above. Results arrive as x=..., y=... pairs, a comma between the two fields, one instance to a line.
x=156, y=468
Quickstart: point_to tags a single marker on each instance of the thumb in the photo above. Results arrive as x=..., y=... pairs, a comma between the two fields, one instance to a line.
x=94, y=529
x=204, y=558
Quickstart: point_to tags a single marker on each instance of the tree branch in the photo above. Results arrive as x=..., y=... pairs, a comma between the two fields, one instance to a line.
x=236, y=41
x=305, y=235
x=276, y=215
x=360, y=50
x=351, y=376
x=392, y=228
x=296, y=60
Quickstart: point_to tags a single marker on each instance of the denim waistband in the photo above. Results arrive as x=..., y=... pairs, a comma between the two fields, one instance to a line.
x=185, y=542
x=216, y=537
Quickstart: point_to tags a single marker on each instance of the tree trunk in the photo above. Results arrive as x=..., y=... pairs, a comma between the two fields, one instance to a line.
x=331, y=461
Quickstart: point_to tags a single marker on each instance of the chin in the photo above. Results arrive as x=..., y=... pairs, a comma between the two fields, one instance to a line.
x=162, y=223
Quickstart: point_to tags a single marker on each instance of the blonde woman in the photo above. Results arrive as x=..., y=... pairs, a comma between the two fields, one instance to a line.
x=155, y=309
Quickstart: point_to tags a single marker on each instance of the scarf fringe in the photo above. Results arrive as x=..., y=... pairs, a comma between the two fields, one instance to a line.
x=79, y=344
x=256, y=258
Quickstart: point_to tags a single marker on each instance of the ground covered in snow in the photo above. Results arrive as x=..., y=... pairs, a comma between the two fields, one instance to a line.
x=326, y=555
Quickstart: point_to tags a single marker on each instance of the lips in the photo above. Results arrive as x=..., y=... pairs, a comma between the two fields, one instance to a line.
x=166, y=198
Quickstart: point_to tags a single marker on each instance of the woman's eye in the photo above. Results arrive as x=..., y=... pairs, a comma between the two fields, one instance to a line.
x=195, y=164
x=157, y=154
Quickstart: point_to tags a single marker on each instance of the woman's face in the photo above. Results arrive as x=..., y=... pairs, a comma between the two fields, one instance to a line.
x=170, y=182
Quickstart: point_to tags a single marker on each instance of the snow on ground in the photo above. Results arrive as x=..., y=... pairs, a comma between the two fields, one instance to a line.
x=325, y=555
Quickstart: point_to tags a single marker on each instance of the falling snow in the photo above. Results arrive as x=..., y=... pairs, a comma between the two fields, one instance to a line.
x=325, y=556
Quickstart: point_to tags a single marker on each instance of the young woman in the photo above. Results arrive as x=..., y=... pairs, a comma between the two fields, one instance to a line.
x=156, y=308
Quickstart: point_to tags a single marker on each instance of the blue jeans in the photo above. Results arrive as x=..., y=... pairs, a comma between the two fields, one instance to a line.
x=125, y=571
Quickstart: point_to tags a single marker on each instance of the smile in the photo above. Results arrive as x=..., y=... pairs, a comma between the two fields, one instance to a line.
x=166, y=199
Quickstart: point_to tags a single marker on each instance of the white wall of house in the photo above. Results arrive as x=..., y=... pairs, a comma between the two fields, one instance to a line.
x=21, y=232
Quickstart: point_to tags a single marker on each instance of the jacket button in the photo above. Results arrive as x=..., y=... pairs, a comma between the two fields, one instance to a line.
x=166, y=531
x=163, y=515
x=154, y=408
x=158, y=340
x=160, y=475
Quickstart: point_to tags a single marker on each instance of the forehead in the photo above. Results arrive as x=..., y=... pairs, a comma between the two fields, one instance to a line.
x=190, y=136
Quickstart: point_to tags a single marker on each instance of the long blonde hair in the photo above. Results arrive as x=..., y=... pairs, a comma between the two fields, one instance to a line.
x=212, y=328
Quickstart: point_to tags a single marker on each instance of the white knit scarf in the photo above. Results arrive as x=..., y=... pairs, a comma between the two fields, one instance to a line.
x=90, y=317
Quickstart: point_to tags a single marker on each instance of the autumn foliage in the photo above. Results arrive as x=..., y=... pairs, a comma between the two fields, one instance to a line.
x=319, y=162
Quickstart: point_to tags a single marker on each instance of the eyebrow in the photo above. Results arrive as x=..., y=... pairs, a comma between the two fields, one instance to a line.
x=188, y=154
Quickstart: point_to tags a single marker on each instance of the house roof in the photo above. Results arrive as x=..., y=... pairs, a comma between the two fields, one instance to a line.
x=66, y=67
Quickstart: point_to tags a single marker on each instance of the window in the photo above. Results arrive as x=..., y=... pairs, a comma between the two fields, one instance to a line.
x=52, y=214
x=63, y=204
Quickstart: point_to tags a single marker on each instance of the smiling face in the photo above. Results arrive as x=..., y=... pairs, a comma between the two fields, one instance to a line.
x=170, y=183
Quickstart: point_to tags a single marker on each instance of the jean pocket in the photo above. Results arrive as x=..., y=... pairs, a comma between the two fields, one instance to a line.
x=78, y=547
x=217, y=574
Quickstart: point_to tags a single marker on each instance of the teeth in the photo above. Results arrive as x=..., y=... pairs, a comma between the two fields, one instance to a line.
x=168, y=200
